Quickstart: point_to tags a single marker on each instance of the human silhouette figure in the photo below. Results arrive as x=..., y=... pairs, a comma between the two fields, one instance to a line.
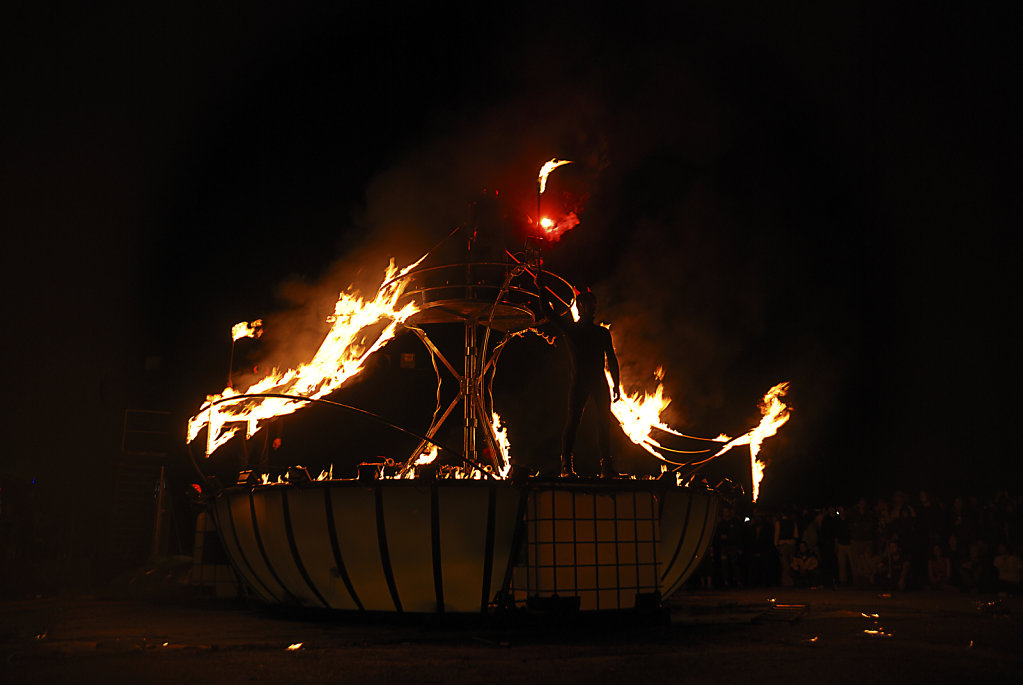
x=590, y=347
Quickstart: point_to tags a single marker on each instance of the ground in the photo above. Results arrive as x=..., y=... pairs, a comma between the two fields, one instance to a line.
x=773, y=636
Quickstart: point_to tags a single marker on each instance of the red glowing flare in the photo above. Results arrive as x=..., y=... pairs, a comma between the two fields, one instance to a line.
x=553, y=230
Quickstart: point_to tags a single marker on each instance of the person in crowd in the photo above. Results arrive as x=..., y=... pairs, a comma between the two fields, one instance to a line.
x=939, y=570
x=728, y=544
x=862, y=533
x=956, y=557
x=805, y=566
x=812, y=531
x=893, y=569
x=763, y=561
x=826, y=541
x=881, y=534
x=962, y=521
x=976, y=569
x=1009, y=569
x=843, y=546
x=786, y=532
x=930, y=519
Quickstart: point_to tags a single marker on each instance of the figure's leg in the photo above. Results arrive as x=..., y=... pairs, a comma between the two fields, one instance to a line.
x=576, y=404
x=601, y=401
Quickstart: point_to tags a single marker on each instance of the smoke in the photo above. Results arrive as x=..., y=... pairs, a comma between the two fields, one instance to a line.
x=681, y=273
x=418, y=201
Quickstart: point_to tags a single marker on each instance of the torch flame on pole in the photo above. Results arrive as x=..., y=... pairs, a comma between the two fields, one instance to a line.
x=247, y=330
x=546, y=170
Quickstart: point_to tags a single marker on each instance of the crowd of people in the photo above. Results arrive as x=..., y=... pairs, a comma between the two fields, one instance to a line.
x=965, y=544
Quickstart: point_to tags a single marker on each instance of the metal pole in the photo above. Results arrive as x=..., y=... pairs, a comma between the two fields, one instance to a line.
x=538, y=194
x=157, y=550
x=230, y=365
x=468, y=390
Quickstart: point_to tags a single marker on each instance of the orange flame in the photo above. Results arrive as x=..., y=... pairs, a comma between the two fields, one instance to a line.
x=640, y=413
x=427, y=456
x=775, y=414
x=355, y=334
x=546, y=170
x=247, y=330
x=501, y=433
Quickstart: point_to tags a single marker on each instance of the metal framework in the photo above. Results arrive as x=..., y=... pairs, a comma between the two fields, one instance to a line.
x=487, y=295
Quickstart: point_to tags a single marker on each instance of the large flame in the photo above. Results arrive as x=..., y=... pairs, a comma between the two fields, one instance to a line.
x=546, y=170
x=639, y=415
x=355, y=334
x=775, y=414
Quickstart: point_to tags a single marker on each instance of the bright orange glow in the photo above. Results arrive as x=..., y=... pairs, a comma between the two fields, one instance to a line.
x=247, y=330
x=639, y=413
x=501, y=433
x=427, y=456
x=359, y=328
x=775, y=414
x=546, y=223
x=546, y=170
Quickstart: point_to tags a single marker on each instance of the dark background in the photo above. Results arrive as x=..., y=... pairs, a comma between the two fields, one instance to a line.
x=813, y=194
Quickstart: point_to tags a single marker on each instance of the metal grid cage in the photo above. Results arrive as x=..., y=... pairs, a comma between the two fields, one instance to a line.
x=600, y=547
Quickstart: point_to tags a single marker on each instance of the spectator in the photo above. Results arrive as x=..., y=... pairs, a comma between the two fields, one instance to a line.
x=785, y=534
x=893, y=570
x=1009, y=567
x=956, y=557
x=764, y=567
x=728, y=542
x=939, y=570
x=862, y=531
x=962, y=521
x=804, y=566
x=812, y=532
x=882, y=533
x=976, y=569
x=901, y=517
x=829, y=563
x=930, y=519
x=843, y=546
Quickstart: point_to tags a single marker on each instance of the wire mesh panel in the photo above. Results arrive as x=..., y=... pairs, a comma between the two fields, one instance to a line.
x=599, y=546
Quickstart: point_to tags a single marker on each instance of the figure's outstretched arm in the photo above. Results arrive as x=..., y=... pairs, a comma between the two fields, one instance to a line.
x=546, y=310
x=613, y=369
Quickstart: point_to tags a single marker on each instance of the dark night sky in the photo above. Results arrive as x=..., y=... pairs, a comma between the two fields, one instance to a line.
x=803, y=193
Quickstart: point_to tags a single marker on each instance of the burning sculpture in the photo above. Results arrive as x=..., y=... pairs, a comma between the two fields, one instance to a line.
x=458, y=536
